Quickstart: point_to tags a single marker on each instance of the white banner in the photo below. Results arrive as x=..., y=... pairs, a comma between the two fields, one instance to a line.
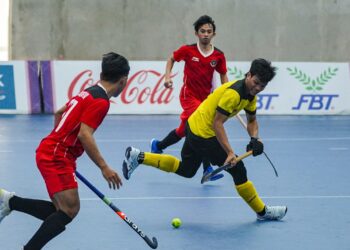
x=144, y=93
x=14, y=90
x=299, y=88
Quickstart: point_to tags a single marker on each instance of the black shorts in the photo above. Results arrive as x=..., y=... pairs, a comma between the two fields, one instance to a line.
x=196, y=148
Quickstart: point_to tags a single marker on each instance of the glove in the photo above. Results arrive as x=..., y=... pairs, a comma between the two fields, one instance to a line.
x=255, y=145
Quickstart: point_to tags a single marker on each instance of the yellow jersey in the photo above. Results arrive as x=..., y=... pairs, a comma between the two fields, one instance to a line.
x=228, y=99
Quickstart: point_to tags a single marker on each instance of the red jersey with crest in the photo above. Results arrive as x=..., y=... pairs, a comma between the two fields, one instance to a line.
x=199, y=70
x=89, y=107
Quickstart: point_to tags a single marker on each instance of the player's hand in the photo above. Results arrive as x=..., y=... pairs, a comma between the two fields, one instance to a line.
x=168, y=83
x=231, y=159
x=112, y=178
x=256, y=146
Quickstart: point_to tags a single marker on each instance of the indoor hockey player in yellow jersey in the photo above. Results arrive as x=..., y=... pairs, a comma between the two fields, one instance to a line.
x=206, y=138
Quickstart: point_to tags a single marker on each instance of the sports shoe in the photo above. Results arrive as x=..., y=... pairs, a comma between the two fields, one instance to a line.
x=210, y=169
x=154, y=147
x=5, y=196
x=273, y=213
x=130, y=163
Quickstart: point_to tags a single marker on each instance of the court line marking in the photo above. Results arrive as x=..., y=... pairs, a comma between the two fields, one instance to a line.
x=338, y=148
x=222, y=197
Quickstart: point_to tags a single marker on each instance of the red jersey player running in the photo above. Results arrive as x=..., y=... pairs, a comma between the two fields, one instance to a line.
x=56, y=155
x=201, y=59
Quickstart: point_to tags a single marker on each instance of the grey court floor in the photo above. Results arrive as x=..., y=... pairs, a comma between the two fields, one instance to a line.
x=311, y=153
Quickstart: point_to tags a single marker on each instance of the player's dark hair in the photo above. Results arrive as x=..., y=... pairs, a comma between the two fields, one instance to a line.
x=203, y=20
x=114, y=67
x=263, y=70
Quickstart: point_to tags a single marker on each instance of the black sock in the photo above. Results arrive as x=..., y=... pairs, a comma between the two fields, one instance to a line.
x=262, y=213
x=40, y=209
x=50, y=228
x=170, y=139
x=141, y=157
x=206, y=164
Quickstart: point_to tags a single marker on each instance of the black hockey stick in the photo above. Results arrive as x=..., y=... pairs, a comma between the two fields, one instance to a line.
x=152, y=243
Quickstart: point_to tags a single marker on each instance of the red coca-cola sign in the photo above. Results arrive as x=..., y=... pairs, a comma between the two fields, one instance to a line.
x=144, y=86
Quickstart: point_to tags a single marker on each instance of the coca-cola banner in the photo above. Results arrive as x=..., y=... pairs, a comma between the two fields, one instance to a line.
x=144, y=93
x=299, y=88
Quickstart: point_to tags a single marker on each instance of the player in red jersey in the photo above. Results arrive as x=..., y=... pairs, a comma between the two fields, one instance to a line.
x=56, y=155
x=201, y=59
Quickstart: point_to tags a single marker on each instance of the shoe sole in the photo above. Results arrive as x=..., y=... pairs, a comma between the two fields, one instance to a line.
x=125, y=170
x=127, y=152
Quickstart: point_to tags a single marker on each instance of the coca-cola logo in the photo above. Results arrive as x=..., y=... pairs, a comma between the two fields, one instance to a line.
x=143, y=86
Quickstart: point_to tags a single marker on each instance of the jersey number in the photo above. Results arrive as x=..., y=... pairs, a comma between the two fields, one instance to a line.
x=71, y=106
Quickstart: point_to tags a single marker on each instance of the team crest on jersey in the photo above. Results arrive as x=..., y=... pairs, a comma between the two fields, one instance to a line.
x=213, y=63
x=195, y=59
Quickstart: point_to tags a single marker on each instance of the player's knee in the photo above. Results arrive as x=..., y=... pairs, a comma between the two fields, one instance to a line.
x=238, y=173
x=186, y=171
x=72, y=210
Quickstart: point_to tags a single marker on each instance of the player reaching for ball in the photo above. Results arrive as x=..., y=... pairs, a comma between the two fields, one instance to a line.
x=201, y=60
x=206, y=137
x=57, y=153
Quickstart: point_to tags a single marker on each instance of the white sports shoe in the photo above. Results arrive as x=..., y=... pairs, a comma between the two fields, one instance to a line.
x=5, y=196
x=130, y=163
x=274, y=213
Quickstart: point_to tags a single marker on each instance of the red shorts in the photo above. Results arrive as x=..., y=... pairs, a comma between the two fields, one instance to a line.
x=189, y=105
x=59, y=174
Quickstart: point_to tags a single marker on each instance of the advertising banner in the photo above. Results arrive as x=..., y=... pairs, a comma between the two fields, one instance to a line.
x=144, y=93
x=19, y=88
x=299, y=88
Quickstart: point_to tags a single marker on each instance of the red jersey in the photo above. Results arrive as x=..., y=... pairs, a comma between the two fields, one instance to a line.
x=89, y=107
x=199, y=70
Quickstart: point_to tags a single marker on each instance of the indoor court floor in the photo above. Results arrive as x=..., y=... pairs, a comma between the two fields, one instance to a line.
x=311, y=154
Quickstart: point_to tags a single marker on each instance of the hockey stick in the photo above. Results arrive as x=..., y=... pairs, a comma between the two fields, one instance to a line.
x=245, y=126
x=207, y=177
x=152, y=243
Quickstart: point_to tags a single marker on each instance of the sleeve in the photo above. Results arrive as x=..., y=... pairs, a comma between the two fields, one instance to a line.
x=94, y=114
x=228, y=102
x=251, y=107
x=180, y=54
x=221, y=66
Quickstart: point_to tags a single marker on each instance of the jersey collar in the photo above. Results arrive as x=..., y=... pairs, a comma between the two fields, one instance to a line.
x=209, y=53
x=101, y=86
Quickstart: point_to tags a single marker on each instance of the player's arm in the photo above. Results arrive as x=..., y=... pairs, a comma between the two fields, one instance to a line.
x=252, y=125
x=221, y=136
x=58, y=115
x=88, y=142
x=223, y=78
x=168, y=82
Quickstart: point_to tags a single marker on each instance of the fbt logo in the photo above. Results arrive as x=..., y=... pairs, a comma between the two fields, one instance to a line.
x=315, y=102
x=7, y=87
x=265, y=101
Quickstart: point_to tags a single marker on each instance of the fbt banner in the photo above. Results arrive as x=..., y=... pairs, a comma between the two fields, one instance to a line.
x=297, y=89
x=19, y=88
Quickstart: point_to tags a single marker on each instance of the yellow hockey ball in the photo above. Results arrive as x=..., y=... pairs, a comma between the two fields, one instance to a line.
x=176, y=222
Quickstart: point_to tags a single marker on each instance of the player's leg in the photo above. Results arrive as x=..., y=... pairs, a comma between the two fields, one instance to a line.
x=40, y=209
x=67, y=202
x=158, y=146
x=62, y=189
x=168, y=163
x=247, y=191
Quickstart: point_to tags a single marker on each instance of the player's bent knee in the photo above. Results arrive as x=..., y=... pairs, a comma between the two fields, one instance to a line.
x=238, y=173
x=186, y=171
